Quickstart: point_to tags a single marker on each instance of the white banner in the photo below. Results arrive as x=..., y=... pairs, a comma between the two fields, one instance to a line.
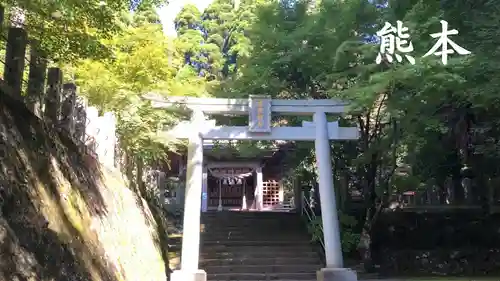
x=231, y=173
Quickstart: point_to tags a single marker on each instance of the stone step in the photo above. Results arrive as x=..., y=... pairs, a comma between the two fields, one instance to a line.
x=255, y=228
x=250, y=224
x=223, y=237
x=253, y=224
x=214, y=254
x=250, y=234
x=260, y=243
x=251, y=216
x=261, y=276
x=289, y=235
x=242, y=221
x=263, y=218
x=255, y=232
x=273, y=225
x=256, y=248
x=240, y=231
x=289, y=268
x=310, y=260
x=262, y=254
x=222, y=221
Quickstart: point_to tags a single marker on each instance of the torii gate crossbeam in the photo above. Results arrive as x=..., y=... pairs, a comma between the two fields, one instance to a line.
x=307, y=132
x=259, y=109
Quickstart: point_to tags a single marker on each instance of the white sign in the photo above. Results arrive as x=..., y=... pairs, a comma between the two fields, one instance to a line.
x=443, y=42
x=395, y=42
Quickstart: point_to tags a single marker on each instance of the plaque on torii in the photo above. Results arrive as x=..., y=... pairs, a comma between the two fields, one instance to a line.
x=259, y=115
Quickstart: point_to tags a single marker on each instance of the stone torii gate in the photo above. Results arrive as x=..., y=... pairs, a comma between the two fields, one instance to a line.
x=259, y=110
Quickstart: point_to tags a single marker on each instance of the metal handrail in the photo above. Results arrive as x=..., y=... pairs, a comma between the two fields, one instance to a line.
x=308, y=212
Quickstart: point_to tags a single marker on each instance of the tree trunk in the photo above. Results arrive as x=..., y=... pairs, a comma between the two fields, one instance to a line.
x=344, y=190
x=139, y=180
x=129, y=170
x=365, y=245
x=365, y=241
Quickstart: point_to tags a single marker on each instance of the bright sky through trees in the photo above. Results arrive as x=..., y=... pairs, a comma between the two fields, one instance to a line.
x=169, y=12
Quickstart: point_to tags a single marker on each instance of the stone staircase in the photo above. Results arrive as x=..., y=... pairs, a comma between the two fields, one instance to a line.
x=256, y=246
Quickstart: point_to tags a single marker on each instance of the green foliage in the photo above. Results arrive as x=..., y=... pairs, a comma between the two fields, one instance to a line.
x=410, y=114
x=425, y=116
x=144, y=60
x=432, y=118
x=68, y=29
x=315, y=228
x=213, y=41
x=349, y=238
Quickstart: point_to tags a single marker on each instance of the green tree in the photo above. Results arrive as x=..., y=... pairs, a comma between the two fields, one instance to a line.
x=213, y=40
x=66, y=30
x=421, y=115
x=143, y=61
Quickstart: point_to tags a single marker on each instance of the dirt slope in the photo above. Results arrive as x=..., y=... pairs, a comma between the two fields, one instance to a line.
x=63, y=217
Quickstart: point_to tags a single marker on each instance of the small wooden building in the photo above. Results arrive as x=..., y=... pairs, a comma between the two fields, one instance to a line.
x=233, y=182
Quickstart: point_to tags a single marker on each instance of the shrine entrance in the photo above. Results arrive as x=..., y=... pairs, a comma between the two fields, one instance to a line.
x=230, y=188
x=259, y=110
x=224, y=194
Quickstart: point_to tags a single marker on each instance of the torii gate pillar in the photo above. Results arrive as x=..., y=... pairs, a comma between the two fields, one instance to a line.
x=331, y=229
x=192, y=203
x=334, y=270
